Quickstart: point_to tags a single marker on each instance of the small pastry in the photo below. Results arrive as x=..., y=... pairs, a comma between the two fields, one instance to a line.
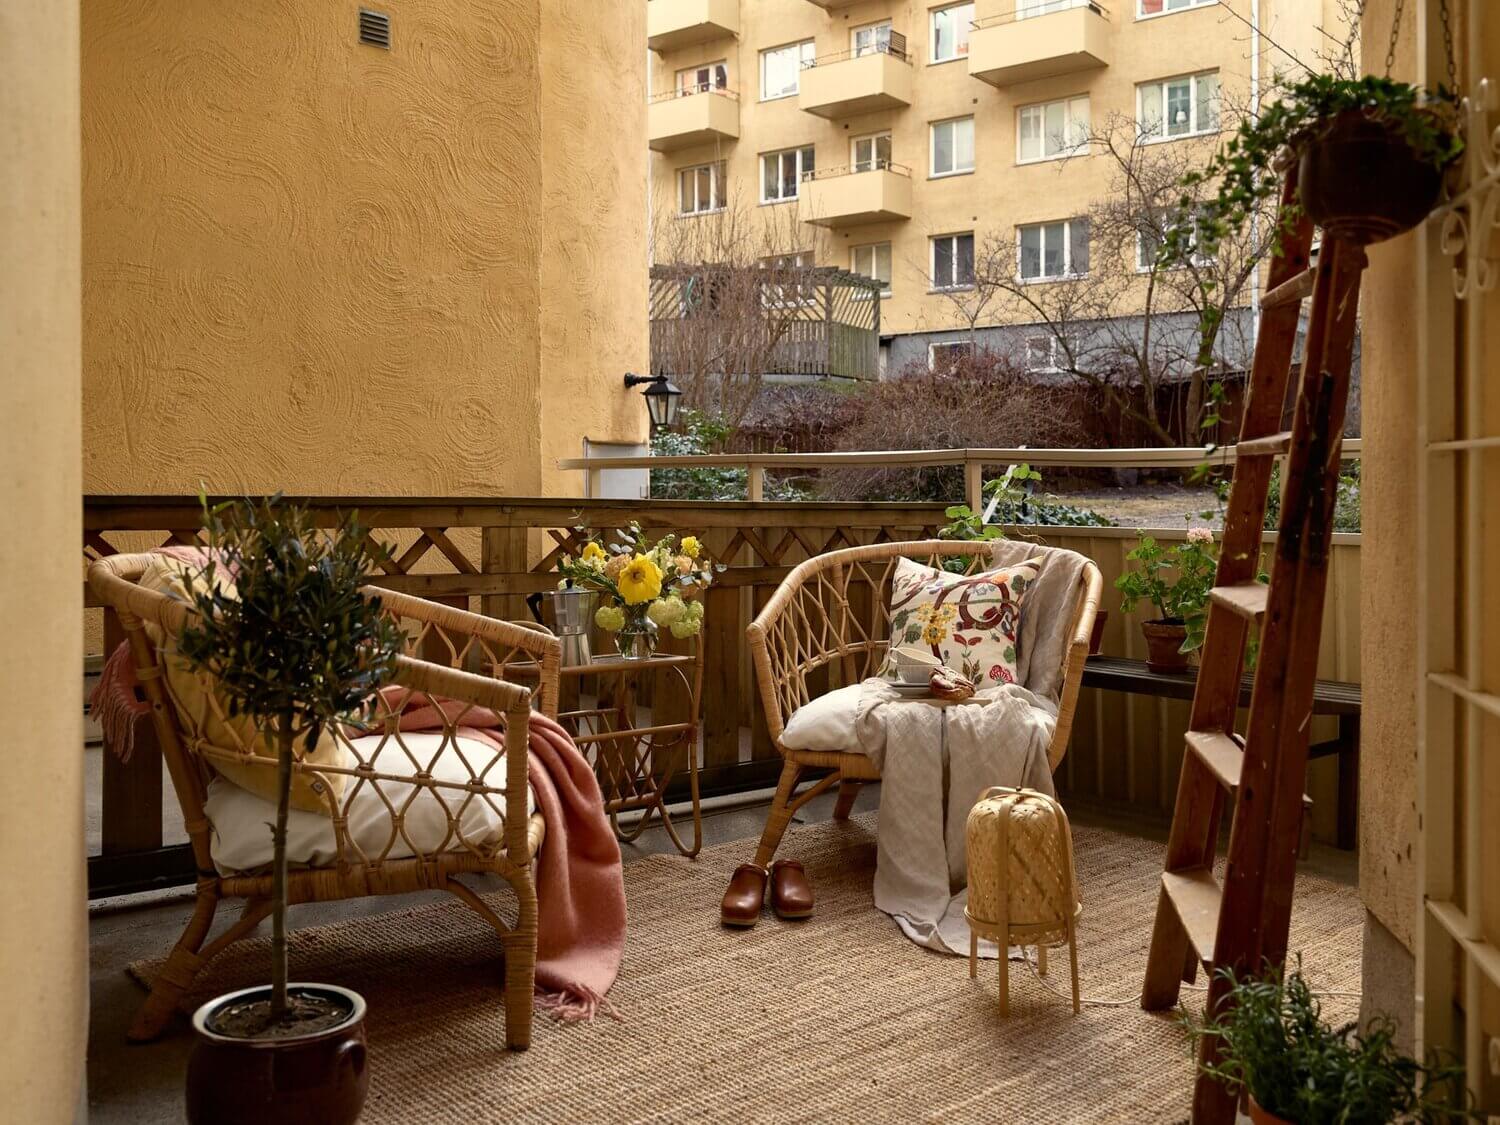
x=950, y=685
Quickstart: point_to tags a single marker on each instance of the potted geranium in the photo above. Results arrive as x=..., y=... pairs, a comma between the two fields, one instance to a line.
x=1372, y=155
x=1297, y=1070
x=644, y=586
x=292, y=643
x=1175, y=581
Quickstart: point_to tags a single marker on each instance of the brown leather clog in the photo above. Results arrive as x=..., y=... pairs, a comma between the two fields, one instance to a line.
x=791, y=892
x=744, y=896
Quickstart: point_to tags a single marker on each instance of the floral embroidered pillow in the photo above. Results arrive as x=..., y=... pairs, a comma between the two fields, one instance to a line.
x=971, y=622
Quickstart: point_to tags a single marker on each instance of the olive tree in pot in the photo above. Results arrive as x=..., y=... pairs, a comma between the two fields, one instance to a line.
x=1372, y=153
x=282, y=626
x=1176, y=581
x=1272, y=1044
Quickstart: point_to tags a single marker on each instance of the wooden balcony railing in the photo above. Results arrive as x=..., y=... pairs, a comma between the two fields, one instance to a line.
x=487, y=554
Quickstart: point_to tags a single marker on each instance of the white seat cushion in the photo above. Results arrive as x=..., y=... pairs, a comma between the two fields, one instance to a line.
x=825, y=723
x=241, y=839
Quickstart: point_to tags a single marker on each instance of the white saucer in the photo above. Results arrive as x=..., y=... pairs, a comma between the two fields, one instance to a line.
x=911, y=689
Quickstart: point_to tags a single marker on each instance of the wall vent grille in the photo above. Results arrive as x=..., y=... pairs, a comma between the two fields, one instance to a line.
x=375, y=28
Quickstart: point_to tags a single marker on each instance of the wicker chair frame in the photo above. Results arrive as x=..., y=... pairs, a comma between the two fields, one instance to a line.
x=441, y=633
x=832, y=612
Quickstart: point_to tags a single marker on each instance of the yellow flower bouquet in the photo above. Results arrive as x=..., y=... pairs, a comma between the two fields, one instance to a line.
x=643, y=586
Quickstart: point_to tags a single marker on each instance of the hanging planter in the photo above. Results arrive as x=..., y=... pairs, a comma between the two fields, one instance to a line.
x=1362, y=181
x=1372, y=153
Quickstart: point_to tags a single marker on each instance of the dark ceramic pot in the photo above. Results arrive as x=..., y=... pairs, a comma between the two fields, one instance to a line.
x=1162, y=642
x=316, y=1079
x=1264, y=1117
x=1361, y=182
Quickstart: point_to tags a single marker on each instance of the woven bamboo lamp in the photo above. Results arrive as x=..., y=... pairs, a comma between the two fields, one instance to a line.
x=1021, y=885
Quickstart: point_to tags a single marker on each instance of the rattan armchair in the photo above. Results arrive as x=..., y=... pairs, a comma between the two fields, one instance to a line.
x=450, y=642
x=828, y=624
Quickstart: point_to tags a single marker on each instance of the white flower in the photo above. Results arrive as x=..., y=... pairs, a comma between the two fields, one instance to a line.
x=1200, y=535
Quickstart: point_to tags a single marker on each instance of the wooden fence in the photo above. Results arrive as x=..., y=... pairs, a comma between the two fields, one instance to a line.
x=487, y=555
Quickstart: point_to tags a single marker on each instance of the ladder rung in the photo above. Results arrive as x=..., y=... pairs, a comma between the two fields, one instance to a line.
x=1272, y=445
x=1248, y=599
x=1220, y=753
x=1194, y=894
x=1298, y=288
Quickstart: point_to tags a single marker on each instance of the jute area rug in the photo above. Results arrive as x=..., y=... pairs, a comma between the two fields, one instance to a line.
x=838, y=1018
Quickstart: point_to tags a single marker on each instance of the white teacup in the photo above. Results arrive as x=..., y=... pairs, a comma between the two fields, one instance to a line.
x=913, y=666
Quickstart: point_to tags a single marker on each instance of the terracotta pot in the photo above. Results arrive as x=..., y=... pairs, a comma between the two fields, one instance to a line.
x=1096, y=638
x=318, y=1078
x=1163, y=639
x=1361, y=182
x=1264, y=1117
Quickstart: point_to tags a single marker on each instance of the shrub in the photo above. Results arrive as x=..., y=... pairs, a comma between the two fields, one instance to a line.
x=981, y=401
x=1346, y=505
x=701, y=435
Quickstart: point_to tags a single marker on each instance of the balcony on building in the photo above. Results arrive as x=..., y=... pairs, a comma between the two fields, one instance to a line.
x=1040, y=39
x=875, y=77
x=673, y=24
x=853, y=195
x=835, y=5
x=693, y=115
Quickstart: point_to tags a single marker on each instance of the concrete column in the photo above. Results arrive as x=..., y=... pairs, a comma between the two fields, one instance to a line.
x=43, y=919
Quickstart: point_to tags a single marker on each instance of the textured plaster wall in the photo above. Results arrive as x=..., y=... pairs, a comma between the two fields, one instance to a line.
x=43, y=926
x=310, y=264
x=594, y=271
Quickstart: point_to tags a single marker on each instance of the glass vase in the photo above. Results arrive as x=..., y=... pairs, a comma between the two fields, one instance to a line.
x=637, y=640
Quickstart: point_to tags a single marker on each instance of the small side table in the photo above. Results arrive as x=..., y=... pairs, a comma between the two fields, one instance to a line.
x=635, y=764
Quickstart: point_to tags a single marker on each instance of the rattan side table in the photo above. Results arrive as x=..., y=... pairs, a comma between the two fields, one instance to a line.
x=635, y=762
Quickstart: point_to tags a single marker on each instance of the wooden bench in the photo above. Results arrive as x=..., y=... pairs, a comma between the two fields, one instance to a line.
x=1330, y=697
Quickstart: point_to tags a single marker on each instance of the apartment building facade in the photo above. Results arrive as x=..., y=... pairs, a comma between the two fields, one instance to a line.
x=894, y=137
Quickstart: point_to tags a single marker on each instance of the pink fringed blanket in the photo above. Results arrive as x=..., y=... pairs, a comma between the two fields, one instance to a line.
x=580, y=888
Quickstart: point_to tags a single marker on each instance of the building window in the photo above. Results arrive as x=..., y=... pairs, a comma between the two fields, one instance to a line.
x=1179, y=107
x=1152, y=233
x=953, y=146
x=953, y=261
x=787, y=293
x=1162, y=7
x=872, y=39
x=781, y=69
x=950, y=32
x=1051, y=130
x=782, y=172
x=1048, y=354
x=1053, y=251
x=873, y=261
x=943, y=358
x=702, y=79
x=1025, y=9
x=700, y=189
x=870, y=154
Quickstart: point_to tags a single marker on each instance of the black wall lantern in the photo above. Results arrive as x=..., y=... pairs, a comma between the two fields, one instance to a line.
x=661, y=399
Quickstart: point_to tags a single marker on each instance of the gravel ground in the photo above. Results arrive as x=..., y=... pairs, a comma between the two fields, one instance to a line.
x=1147, y=505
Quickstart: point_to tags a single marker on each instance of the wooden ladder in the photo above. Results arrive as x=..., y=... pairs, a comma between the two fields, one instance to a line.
x=1243, y=923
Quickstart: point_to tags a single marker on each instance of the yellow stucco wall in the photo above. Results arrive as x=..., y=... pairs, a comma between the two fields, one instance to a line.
x=594, y=277
x=314, y=265
x=43, y=926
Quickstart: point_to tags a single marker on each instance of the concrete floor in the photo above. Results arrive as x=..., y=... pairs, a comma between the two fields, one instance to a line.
x=142, y=1085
